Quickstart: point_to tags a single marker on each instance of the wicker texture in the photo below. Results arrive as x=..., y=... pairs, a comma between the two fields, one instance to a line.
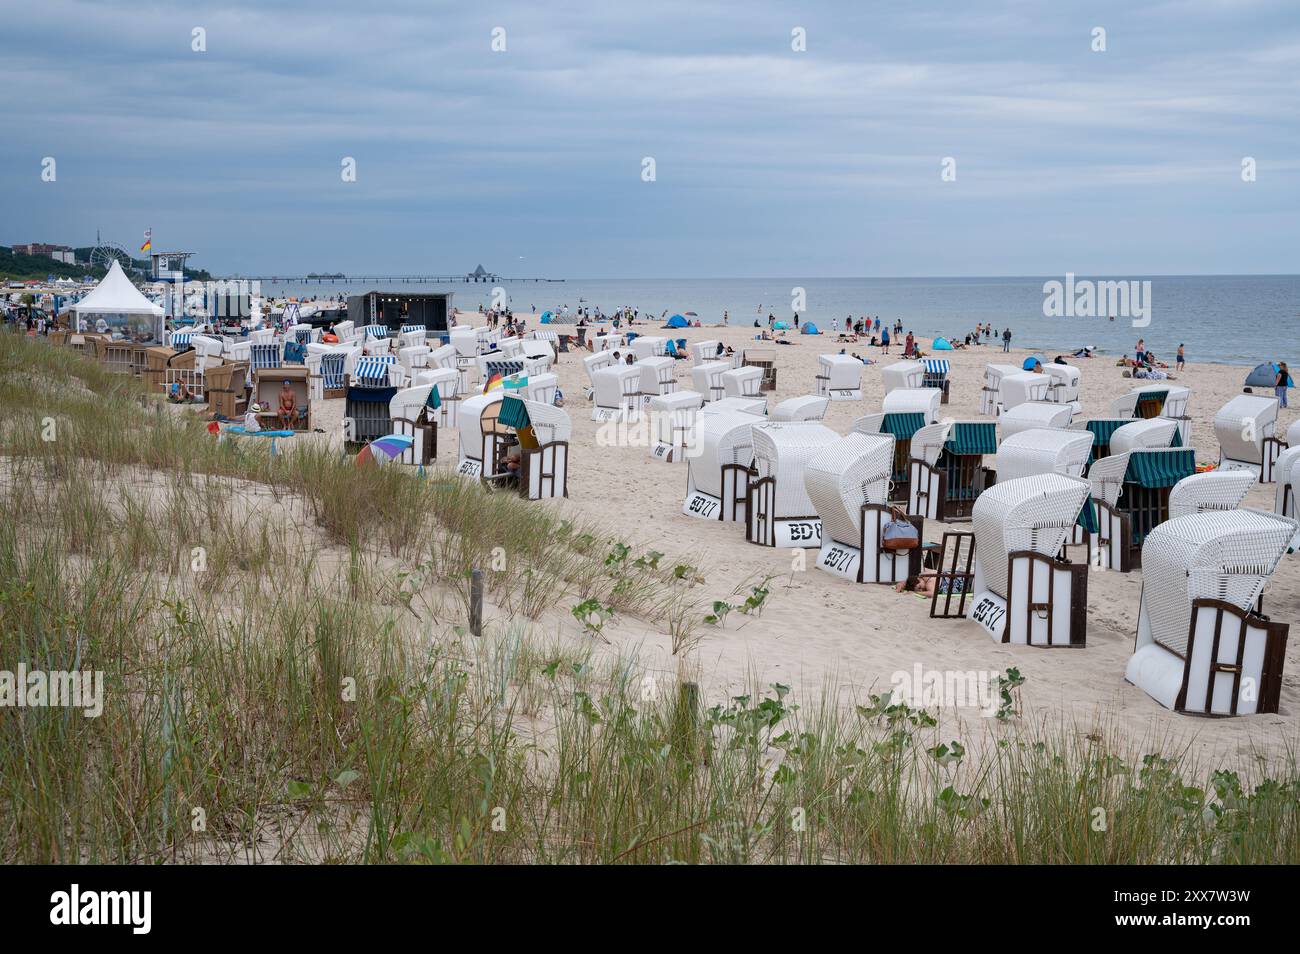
x=902, y=374
x=782, y=451
x=742, y=382
x=657, y=374
x=923, y=401
x=1227, y=556
x=1152, y=433
x=614, y=386
x=808, y=407
x=724, y=438
x=1039, y=451
x=843, y=476
x=1022, y=388
x=649, y=346
x=550, y=423
x=1031, y=513
x=1215, y=490
x=1035, y=416
x=1241, y=426
x=707, y=378
x=1287, y=474
x=757, y=406
x=842, y=372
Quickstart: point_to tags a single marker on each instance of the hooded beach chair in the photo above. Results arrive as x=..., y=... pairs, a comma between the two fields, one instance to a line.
x=756, y=406
x=706, y=378
x=904, y=412
x=1293, y=434
x=1246, y=428
x=607, y=342
x=480, y=437
x=1212, y=490
x=1161, y=399
x=1130, y=497
x=657, y=376
x=746, y=381
x=704, y=351
x=1023, y=592
x=1066, y=381
x=1030, y=453
x=807, y=407
x=779, y=512
x=372, y=381
x=447, y=381
x=1035, y=416
x=616, y=392
x=410, y=415
x=1145, y=434
x=376, y=333
x=541, y=432
x=839, y=377
x=903, y=374
x=508, y=348
x=1203, y=645
x=592, y=363
x=538, y=356
x=946, y=472
x=1287, y=474
x=937, y=372
x=991, y=393
x=648, y=346
x=414, y=358
x=541, y=388
x=848, y=485
x=673, y=418
x=1023, y=388
x=717, y=474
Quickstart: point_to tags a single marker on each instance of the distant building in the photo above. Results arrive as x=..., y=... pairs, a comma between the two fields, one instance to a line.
x=60, y=253
x=395, y=309
x=480, y=274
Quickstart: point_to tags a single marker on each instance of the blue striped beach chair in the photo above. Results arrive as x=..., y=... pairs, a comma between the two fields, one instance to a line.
x=936, y=375
x=262, y=356
x=376, y=331
x=372, y=371
x=331, y=371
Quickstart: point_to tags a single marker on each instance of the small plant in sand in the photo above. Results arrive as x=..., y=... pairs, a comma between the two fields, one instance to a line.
x=720, y=610
x=756, y=598
x=593, y=616
x=1007, y=686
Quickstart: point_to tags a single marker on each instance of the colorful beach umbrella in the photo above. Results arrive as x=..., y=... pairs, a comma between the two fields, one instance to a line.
x=384, y=448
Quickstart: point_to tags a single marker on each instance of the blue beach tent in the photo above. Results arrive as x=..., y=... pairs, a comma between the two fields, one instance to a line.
x=941, y=344
x=1265, y=375
x=809, y=329
x=677, y=321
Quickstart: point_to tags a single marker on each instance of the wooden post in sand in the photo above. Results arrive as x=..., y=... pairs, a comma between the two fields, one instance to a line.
x=476, y=602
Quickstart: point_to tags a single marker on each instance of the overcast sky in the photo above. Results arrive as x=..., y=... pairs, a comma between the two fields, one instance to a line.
x=768, y=161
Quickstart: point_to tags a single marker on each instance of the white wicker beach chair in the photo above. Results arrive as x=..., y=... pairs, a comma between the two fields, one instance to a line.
x=717, y=474
x=1130, y=494
x=937, y=375
x=946, y=472
x=1065, y=386
x=1293, y=434
x=1201, y=645
x=447, y=381
x=839, y=377
x=742, y=382
x=541, y=433
x=1246, y=428
x=412, y=336
x=408, y=415
x=780, y=513
x=1023, y=388
x=1159, y=399
x=1023, y=593
x=902, y=374
x=480, y=438
x=612, y=342
x=756, y=406
x=1213, y=490
x=848, y=484
x=807, y=407
x=465, y=340
x=673, y=419
x=414, y=358
x=648, y=346
x=538, y=356
x=1041, y=451
x=596, y=362
x=541, y=388
x=702, y=351
x=617, y=393
x=343, y=330
x=1035, y=416
x=658, y=376
x=1155, y=432
x=706, y=378
x=991, y=393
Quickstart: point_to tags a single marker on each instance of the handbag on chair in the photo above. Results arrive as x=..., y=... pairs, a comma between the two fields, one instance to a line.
x=899, y=534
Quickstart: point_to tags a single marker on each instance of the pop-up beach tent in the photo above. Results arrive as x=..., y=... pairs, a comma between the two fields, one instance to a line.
x=782, y=326
x=547, y=317
x=677, y=321
x=1032, y=360
x=1265, y=376
x=809, y=329
x=941, y=344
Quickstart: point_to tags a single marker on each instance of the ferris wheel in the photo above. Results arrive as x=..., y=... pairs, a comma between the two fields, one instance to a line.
x=106, y=253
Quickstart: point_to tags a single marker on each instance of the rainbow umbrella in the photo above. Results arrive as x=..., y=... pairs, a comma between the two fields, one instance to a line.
x=384, y=448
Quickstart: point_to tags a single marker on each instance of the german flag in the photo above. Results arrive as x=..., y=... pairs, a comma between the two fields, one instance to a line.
x=148, y=240
x=493, y=382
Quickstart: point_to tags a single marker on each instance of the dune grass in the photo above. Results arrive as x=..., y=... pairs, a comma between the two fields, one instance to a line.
x=289, y=678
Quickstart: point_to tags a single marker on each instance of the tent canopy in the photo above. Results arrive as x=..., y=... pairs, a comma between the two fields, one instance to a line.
x=1265, y=375
x=941, y=344
x=677, y=321
x=809, y=329
x=115, y=295
x=1032, y=360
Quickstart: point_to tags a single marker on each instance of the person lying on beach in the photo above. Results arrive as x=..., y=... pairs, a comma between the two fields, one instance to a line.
x=922, y=585
x=862, y=359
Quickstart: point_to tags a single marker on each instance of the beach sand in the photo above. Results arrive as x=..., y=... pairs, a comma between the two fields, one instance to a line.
x=817, y=630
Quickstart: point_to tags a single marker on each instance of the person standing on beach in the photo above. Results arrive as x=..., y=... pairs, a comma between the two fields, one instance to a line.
x=1280, y=384
x=1181, y=360
x=724, y=319
x=1006, y=339
x=884, y=340
x=1140, y=353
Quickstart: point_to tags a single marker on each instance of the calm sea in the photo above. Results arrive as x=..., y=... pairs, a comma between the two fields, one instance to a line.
x=1230, y=319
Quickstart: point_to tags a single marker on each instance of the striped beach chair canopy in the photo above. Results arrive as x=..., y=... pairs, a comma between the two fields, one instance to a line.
x=376, y=331
x=181, y=339
x=936, y=368
x=372, y=370
x=265, y=356
x=407, y=329
x=331, y=370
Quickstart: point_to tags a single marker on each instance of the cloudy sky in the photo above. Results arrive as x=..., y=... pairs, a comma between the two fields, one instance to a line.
x=768, y=161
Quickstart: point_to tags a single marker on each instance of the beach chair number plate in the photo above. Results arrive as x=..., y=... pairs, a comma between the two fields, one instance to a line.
x=842, y=561
x=662, y=451
x=845, y=394
x=701, y=505
x=990, y=611
x=797, y=533
x=470, y=468
x=604, y=414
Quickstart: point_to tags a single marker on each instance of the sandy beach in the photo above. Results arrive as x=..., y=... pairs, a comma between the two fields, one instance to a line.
x=816, y=629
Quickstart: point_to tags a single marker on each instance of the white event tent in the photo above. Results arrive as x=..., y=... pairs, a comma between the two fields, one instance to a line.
x=124, y=311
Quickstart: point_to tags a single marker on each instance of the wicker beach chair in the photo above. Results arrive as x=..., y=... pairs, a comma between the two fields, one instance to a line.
x=756, y=406
x=1130, y=497
x=946, y=472
x=807, y=407
x=1035, y=416
x=1203, y=645
x=673, y=420
x=848, y=485
x=1038, y=451
x=744, y=381
x=410, y=415
x=991, y=393
x=1023, y=592
x=447, y=381
x=904, y=412
x=937, y=371
x=595, y=362
x=839, y=377
x=717, y=474
x=1142, y=434
x=1066, y=381
x=779, y=512
x=658, y=376
x=902, y=374
x=1246, y=428
x=1023, y=388
x=1213, y=490
x=541, y=434
x=616, y=391
x=481, y=440
x=541, y=388
x=706, y=378
x=648, y=346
